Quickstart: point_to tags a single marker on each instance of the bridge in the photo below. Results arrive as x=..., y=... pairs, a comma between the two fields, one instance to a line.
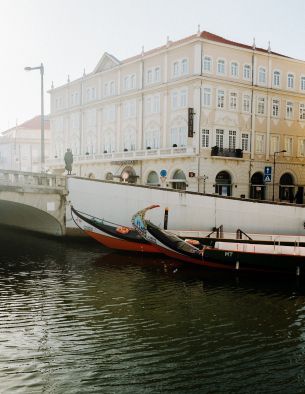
x=33, y=201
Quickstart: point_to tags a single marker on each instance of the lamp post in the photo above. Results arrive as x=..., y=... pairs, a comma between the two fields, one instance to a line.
x=275, y=153
x=41, y=68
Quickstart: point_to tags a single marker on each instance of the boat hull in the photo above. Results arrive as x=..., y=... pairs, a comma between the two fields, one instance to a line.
x=224, y=255
x=106, y=237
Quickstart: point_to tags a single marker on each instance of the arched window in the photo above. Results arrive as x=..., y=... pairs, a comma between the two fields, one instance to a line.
x=109, y=142
x=179, y=180
x=286, y=187
x=184, y=67
x=290, y=81
x=223, y=185
x=258, y=187
x=129, y=139
x=152, y=138
x=276, y=78
x=90, y=141
x=153, y=179
x=262, y=75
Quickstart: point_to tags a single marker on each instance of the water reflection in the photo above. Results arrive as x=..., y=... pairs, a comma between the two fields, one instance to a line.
x=75, y=319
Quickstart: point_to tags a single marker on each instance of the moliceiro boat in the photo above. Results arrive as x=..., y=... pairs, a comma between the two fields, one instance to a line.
x=112, y=235
x=288, y=257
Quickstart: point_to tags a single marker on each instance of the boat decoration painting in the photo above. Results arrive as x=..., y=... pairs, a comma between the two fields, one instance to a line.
x=111, y=235
x=247, y=256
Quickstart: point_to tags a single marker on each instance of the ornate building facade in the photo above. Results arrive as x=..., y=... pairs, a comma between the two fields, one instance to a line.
x=204, y=114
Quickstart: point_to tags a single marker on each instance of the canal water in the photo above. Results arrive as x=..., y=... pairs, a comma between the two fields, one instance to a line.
x=76, y=319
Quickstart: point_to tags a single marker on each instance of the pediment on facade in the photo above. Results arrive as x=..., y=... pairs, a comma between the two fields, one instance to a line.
x=275, y=121
x=289, y=123
x=106, y=63
x=246, y=118
x=152, y=125
x=227, y=119
x=260, y=119
x=178, y=121
x=205, y=114
x=302, y=125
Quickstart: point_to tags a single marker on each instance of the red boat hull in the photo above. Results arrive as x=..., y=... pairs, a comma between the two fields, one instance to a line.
x=121, y=244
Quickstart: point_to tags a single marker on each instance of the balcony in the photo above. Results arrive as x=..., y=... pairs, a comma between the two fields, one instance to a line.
x=226, y=152
x=143, y=154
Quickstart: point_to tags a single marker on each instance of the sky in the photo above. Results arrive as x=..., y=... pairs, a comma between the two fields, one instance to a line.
x=68, y=36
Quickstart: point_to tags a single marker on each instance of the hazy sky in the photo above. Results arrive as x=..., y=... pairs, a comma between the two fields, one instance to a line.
x=70, y=35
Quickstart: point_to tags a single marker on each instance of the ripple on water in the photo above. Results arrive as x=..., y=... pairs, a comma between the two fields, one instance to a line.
x=75, y=321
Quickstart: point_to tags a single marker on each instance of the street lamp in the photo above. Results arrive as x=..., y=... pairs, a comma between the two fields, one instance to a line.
x=275, y=153
x=41, y=68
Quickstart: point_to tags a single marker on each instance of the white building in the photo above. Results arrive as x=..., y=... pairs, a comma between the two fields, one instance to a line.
x=20, y=146
x=130, y=120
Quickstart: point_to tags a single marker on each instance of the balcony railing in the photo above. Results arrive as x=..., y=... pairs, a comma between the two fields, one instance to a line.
x=226, y=152
x=143, y=154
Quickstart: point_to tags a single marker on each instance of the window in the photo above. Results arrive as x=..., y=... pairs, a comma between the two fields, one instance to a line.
x=157, y=74
x=126, y=83
x=207, y=64
x=247, y=72
x=301, y=147
x=302, y=83
x=233, y=101
x=207, y=95
x=175, y=69
x=302, y=111
x=129, y=109
x=220, y=98
x=179, y=99
x=275, y=107
x=260, y=143
x=183, y=98
x=274, y=144
x=205, y=138
x=289, y=110
x=130, y=139
x=276, y=79
x=234, y=69
x=261, y=105
x=152, y=138
x=132, y=81
x=105, y=91
x=109, y=112
x=179, y=136
x=109, y=141
x=112, y=88
x=246, y=103
x=219, y=138
x=290, y=81
x=156, y=104
x=245, y=142
x=288, y=145
x=175, y=100
x=220, y=67
x=148, y=105
x=149, y=76
x=232, y=139
x=261, y=75
x=184, y=67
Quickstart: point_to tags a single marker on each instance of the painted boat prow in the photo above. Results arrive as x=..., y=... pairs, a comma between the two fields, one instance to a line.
x=109, y=235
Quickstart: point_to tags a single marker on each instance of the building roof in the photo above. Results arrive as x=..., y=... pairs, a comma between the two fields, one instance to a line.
x=31, y=124
x=207, y=36
x=213, y=37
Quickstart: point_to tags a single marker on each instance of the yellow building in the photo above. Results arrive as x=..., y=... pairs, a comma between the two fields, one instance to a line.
x=131, y=120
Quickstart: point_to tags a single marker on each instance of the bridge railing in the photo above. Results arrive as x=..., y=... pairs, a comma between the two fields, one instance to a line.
x=34, y=179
